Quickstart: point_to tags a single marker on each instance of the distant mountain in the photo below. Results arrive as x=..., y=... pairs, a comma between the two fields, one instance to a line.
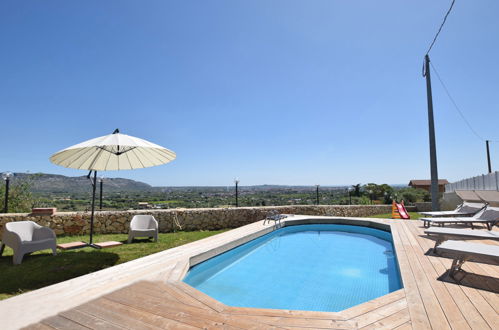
x=54, y=183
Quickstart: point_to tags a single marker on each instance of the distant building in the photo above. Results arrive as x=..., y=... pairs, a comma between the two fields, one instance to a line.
x=425, y=184
x=144, y=205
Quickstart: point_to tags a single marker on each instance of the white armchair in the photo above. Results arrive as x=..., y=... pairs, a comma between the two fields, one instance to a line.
x=143, y=226
x=26, y=237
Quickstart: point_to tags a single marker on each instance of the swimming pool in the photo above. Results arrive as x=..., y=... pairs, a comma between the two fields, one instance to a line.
x=314, y=267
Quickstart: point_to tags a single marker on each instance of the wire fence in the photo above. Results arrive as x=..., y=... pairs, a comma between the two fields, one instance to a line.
x=481, y=182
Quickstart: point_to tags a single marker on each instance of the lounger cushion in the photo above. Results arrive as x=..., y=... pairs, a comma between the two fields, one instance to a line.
x=471, y=207
x=444, y=213
x=490, y=213
x=469, y=233
x=470, y=249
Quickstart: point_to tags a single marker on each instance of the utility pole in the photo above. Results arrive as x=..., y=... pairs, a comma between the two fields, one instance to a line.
x=317, y=194
x=6, y=202
x=236, y=181
x=488, y=156
x=6, y=176
x=101, y=181
x=431, y=131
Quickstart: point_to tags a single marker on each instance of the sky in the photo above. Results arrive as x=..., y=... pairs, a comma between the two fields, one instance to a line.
x=296, y=92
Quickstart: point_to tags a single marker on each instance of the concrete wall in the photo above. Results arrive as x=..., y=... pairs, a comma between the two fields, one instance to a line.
x=109, y=222
x=449, y=201
x=488, y=181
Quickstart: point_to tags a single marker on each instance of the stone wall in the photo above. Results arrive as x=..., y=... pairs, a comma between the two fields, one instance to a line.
x=423, y=206
x=113, y=222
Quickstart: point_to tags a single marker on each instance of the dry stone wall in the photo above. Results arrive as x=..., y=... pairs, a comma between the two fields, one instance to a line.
x=115, y=222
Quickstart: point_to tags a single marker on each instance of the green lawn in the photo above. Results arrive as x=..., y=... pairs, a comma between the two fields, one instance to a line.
x=41, y=269
x=414, y=216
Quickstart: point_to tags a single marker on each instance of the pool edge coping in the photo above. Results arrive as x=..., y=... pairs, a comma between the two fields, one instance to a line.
x=293, y=220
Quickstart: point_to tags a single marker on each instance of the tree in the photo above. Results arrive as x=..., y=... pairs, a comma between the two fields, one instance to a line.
x=356, y=189
x=20, y=198
x=413, y=195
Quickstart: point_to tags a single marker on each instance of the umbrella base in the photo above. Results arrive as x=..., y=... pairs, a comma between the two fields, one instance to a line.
x=77, y=245
x=81, y=245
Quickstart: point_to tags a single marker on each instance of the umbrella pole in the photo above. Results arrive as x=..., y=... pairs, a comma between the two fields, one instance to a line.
x=94, y=182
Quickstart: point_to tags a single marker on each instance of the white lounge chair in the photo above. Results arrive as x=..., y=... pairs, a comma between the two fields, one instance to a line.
x=466, y=251
x=488, y=216
x=143, y=226
x=466, y=209
x=26, y=237
x=444, y=234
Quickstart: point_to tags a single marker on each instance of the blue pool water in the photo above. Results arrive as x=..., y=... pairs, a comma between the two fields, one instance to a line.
x=323, y=267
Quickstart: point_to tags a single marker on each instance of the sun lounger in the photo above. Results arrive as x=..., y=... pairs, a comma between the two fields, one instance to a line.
x=489, y=196
x=466, y=209
x=444, y=234
x=488, y=216
x=466, y=251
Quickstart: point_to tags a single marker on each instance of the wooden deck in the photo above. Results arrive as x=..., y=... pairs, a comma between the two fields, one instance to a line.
x=429, y=300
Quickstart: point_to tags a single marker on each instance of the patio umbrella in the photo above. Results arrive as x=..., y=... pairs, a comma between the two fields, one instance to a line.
x=109, y=153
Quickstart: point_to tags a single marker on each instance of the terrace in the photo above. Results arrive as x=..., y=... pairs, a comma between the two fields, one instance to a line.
x=148, y=292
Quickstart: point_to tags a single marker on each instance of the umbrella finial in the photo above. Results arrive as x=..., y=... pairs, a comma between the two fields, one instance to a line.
x=116, y=131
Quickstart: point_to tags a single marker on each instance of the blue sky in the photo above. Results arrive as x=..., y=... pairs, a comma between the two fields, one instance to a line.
x=276, y=92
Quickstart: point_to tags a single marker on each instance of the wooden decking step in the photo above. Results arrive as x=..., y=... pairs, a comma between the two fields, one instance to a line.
x=108, y=244
x=72, y=245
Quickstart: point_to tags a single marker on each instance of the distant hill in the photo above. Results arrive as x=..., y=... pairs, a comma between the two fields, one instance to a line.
x=60, y=184
x=54, y=183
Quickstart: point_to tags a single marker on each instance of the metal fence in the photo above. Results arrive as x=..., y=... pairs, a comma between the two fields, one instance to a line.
x=482, y=182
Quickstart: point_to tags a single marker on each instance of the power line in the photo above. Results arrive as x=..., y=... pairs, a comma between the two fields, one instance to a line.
x=441, y=26
x=457, y=108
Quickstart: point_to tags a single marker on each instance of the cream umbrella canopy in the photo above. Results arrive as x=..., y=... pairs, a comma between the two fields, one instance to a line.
x=110, y=153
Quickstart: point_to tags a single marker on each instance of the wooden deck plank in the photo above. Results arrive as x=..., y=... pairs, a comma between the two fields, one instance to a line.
x=433, y=308
x=284, y=313
x=373, y=304
x=131, y=317
x=191, y=316
x=162, y=291
x=303, y=322
x=38, y=326
x=180, y=295
x=380, y=313
x=468, y=309
x=487, y=312
x=202, y=297
x=392, y=321
x=166, y=307
x=88, y=320
x=451, y=311
x=405, y=326
x=491, y=271
x=116, y=314
x=62, y=323
x=415, y=304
